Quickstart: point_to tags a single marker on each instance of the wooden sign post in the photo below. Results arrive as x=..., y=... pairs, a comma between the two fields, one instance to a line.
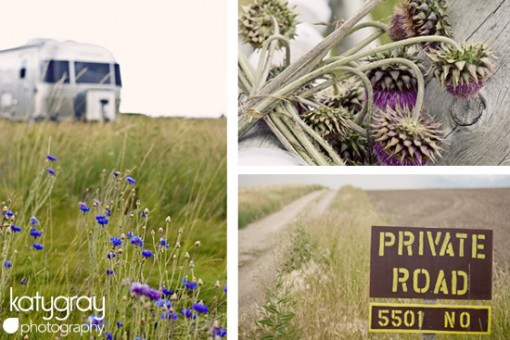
x=430, y=264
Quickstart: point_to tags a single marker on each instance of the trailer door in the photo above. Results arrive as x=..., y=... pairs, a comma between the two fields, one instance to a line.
x=24, y=88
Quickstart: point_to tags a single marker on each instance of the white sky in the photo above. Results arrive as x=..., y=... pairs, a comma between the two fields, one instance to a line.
x=172, y=53
x=383, y=182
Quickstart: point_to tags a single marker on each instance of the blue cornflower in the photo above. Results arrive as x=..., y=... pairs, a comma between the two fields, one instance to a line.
x=188, y=314
x=35, y=233
x=137, y=241
x=129, y=234
x=200, y=307
x=38, y=246
x=189, y=285
x=96, y=320
x=163, y=303
x=109, y=272
x=51, y=158
x=167, y=292
x=84, y=207
x=101, y=220
x=117, y=242
x=15, y=228
x=7, y=264
x=9, y=213
x=225, y=289
x=24, y=281
x=163, y=242
x=51, y=171
x=115, y=174
x=109, y=336
x=221, y=332
x=169, y=316
x=34, y=220
x=130, y=180
x=146, y=253
x=111, y=255
x=119, y=324
x=108, y=212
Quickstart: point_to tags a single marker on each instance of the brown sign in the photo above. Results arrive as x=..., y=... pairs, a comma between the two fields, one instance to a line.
x=431, y=263
x=429, y=319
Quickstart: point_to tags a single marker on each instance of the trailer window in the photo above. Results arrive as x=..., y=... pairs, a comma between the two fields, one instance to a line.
x=118, y=80
x=92, y=73
x=55, y=71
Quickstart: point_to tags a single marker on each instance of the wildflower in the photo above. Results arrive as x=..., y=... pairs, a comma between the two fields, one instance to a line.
x=109, y=272
x=463, y=71
x=225, y=289
x=51, y=158
x=163, y=243
x=109, y=336
x=15, y=228
x=130, y=234
x=168, y=219
x=83, y=207
x=163, y=303
x=188, y=314
x=35, y=233
x=38, y=246
x=130, y=180
x=189, y=285
x=119, y=324
x=167, y=292
x=220, y=332
x=108, y=212
x=144, y=213
x=115, y=174
x=197, y=244
x=111, y=255
x=400, y=140
x=97, y=203
x=51, y=171
x=9, y=213
x=200, y=307
x=96, y=320
x=34, y=220
x=146, y=253
x=7, y=264
x=101, y=220
x=169, y=316
x=24, y=281
x=137, y=241
x=143, y=289
x=117, y=242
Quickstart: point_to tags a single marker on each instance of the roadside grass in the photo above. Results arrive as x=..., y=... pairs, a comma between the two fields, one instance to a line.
x=325, y=274
x=180, y=171
x=258, y=201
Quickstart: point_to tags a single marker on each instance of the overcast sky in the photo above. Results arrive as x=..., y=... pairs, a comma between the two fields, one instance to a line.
x=383, y=182
x=172, y=53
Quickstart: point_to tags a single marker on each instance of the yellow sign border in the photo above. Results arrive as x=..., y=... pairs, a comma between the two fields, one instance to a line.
x=428, y=306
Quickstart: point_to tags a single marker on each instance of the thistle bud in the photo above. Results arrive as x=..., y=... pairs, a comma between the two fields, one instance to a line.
x=197, y=244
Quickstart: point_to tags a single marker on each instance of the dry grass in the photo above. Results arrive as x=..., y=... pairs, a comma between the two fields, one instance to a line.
x=256, y=202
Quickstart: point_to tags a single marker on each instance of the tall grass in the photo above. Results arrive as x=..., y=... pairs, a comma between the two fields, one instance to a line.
x=256, y=202
x=326, y=273
x=180, y=170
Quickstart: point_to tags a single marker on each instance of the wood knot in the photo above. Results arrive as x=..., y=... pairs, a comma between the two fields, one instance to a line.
x=468, y=112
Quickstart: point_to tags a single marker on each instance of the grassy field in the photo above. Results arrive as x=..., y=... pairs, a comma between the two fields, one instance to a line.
x=256, y=202
x=322, y=290
x=180, y=171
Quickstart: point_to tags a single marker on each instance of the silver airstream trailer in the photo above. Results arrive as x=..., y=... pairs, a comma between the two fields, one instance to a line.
x=49, y=79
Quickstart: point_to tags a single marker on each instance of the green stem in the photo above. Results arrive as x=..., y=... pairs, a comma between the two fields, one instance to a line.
x=244, y=84
x=363, y=44
x=245, y=65
x=332, y=153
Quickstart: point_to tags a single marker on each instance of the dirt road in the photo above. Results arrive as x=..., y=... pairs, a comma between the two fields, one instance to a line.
x=473, y=208
x=261, y=241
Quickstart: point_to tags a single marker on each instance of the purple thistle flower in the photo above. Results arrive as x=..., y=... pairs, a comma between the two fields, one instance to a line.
x=101, y=220
x=163, y=243
x=384, y=98
x=189, y=285
x=466, y=91
x=109, y=272
x=51, y=158
x=35, y=233
x=34, y=220
x=15, y=228
x=137, y=241
x=385, y=158
x=51, y=171
x=146, y=253
x=117, y=242
x=38, y=246
x=400, y=25
x=143, y=289
x=7, y=264
x=169, y=316
x=130, y=180
x=188, y=314
x=200, y=307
